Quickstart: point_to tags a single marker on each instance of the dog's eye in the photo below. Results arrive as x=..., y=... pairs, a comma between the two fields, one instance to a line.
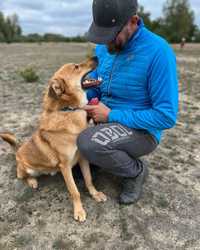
x=76, y=66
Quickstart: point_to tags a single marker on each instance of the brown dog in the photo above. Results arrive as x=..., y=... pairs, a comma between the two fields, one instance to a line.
x=53, y=147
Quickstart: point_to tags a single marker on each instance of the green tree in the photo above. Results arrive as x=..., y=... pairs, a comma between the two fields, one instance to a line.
x=197, y=34
x=156, y=25
x=17, y=31
x=14, y=29
x=146, y=16
x=32, y=38
x=2, y=24
x=10, y=31
x=178, y=20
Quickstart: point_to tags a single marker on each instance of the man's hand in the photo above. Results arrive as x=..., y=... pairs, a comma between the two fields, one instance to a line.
x=99, y=112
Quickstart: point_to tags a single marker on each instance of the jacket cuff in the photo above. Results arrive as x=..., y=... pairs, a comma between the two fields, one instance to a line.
x=112, y=116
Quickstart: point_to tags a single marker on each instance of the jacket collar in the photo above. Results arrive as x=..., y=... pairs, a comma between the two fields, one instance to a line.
x=135, y=35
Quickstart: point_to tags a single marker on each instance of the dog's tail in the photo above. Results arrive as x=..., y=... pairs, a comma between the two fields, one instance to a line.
x=11, y=139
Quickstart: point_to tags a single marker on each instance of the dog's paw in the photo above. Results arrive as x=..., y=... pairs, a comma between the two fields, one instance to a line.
x=80, y=215
x=100, y=197
x=32, y=183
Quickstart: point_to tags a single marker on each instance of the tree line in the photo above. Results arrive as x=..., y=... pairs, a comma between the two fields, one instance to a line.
x=10, y=31
x=177, y=22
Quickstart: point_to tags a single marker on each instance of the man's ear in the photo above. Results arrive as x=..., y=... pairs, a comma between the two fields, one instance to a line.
x=134, y=19
x=56, y=88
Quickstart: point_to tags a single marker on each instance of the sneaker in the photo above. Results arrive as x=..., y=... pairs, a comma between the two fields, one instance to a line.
x=132, y=188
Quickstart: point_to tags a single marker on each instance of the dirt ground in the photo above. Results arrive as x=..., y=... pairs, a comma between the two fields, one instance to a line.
x=168, y=215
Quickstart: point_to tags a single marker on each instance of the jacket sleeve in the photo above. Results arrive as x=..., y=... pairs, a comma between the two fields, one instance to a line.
x=95, y=91
x=163, y=92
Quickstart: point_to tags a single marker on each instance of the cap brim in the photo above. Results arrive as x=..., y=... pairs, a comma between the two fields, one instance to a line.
x=102, y=35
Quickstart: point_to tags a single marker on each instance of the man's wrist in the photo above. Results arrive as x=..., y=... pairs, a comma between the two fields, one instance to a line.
x=107, y=115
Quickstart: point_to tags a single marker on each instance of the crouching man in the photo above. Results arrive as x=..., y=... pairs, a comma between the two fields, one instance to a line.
x=138, y=95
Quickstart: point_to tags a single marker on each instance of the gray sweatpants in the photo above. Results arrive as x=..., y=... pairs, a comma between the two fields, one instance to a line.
x=116, y=148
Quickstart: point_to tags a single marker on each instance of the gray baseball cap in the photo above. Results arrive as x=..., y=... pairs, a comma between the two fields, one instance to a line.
x=109, y=17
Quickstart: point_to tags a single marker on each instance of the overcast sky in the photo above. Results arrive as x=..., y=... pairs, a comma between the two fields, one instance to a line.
x=68, y=17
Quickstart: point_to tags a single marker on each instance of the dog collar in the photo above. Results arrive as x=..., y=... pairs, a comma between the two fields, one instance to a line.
x=67, y=109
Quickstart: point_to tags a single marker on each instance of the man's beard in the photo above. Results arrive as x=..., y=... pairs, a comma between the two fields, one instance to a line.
x=114, y=48
x=117, y=46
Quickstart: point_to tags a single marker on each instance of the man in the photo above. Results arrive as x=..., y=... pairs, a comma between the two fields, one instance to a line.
x=138, y=94
x=183, y=40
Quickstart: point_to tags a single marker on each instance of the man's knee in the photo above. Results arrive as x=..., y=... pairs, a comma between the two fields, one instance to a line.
x=81, y=141
x=84, y=143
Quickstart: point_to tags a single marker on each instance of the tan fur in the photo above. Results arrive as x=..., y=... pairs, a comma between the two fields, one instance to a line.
x=11, y=139
x=53, y=147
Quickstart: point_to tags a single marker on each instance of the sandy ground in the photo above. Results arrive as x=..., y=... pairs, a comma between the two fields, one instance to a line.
x=168, y=215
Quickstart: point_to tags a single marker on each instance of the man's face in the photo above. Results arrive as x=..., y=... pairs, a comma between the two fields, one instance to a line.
x=123, y=36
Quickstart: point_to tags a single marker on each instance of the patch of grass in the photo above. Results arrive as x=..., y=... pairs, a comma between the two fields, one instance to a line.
x=3, y=246
x=197, y=118
x=4, y=229
x=60, y=244
x=21, y=220
x=26, y=195
x=162, y=201
x=29, y=75
x=41, y=223
x=23, y=241
x=131, y=247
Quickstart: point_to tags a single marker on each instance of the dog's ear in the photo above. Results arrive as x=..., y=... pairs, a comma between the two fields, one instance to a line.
x=56, y=88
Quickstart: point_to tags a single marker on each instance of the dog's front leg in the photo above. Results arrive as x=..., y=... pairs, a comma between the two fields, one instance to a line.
x=79, y=212
x=85, y=169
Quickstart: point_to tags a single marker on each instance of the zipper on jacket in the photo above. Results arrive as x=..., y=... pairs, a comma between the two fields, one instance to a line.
x=110, y=78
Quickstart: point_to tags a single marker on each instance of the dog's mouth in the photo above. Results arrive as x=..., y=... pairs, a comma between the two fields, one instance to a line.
x=84, y=77
x=87, y=83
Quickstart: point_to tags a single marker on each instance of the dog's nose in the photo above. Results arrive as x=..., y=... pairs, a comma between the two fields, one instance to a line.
x=95, y=59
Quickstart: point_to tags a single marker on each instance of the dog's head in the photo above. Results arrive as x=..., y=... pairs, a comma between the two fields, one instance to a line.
x=65, y=86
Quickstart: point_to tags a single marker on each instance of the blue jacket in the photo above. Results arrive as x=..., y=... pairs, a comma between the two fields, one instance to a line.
x=140, y=83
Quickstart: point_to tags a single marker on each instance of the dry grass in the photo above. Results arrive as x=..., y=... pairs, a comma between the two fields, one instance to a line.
x=168, y=216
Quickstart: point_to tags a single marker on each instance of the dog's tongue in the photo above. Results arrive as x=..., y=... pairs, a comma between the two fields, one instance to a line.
x=94, y=101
